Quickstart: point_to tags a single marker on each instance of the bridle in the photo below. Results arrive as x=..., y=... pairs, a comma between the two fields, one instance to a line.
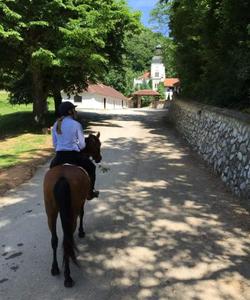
x=93, y=147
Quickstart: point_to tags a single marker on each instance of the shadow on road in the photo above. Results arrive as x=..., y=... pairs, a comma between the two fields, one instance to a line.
x=169, y=227
x=164, y=226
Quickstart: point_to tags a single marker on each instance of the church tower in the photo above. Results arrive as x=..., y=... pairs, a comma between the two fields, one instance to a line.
x=157, y=68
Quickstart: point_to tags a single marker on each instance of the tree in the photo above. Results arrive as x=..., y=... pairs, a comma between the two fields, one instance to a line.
x=160, y=15
x=137, y=59
x=211, y=49
x=60, y=44
x=121, y=78
x=161, y=90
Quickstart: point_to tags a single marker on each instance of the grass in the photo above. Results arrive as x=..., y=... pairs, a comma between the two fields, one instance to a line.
x=20, y=139
x=23, y=148
x=18, y=119
x=6, y=108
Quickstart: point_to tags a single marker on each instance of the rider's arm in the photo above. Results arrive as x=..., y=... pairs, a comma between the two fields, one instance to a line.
x=80, y=137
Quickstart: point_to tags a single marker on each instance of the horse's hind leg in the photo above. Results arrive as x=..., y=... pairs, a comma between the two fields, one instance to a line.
x=81, y=232
x=68, y=281
x=54, y=243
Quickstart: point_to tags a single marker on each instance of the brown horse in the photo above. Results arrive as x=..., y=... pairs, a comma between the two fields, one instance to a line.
x=66, y=188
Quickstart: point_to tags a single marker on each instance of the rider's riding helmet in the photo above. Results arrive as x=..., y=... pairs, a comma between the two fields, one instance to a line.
x=65, y=107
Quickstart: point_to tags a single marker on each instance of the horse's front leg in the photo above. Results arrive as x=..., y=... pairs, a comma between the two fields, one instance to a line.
x=54, y=243
x=81, y=232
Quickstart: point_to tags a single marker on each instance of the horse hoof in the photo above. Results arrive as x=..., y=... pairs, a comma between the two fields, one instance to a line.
x=69, y=283
x=81, y=234
x=55, y=271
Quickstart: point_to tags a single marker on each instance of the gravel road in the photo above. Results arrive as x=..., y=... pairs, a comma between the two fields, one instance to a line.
x=164, y=226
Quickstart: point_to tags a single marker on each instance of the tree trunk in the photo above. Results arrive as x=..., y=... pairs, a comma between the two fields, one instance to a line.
x=57, y=100
x=39, y=97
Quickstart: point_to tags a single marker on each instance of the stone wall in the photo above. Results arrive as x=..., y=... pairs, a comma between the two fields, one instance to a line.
x=159, y=104
x=221, y=137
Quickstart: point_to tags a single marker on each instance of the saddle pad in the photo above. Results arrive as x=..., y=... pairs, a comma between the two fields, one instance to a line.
x=81, y=168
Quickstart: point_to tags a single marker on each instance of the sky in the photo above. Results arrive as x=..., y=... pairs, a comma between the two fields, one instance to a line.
x=145, y=6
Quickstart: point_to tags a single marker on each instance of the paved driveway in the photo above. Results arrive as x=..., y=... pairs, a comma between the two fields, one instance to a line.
x=164, y=227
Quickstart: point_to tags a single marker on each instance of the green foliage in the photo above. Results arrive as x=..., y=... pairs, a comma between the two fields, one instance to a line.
x=146, y=101
x=145, y=85
x=161, y=90
x=160, y=14
x=137, y=59
x=50, y=45
x=212, y=49
x=42, y=58
x=121, y=79
x=141, y=48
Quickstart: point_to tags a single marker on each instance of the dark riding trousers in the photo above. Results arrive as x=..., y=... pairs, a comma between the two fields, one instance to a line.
x=75, y=158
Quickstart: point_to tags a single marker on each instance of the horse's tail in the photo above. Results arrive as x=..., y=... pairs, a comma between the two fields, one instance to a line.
x=63, y=198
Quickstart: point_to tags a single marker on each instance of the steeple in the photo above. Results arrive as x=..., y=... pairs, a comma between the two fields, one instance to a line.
x=157, y=68
x=157, y=58
x=158, y=50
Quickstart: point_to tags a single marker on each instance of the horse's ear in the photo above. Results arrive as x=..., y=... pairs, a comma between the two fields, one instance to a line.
x=98, y=134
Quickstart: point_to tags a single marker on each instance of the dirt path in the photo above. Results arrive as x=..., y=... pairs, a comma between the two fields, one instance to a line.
x=163, y=228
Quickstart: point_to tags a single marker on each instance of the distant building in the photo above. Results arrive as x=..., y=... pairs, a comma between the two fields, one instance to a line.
x=157, y=74
x=172, y=85
x=97, y=96
x=145, y=78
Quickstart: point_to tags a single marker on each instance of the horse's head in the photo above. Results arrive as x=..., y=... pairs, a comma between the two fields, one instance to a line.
x=93, y=147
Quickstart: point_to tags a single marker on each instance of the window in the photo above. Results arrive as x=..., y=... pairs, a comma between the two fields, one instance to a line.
x=157, y=74
x=77, y=98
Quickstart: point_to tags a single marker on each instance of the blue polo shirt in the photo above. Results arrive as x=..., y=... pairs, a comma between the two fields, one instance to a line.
x=72, y=137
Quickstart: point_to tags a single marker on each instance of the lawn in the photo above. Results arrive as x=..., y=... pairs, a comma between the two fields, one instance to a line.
x=20, y=140
x=17, y=119
x=24, y=148
x=6, y=108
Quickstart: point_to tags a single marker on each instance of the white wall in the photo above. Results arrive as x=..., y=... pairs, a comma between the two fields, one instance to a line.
x=157, y=68
x=137, y=81
x=96, y=101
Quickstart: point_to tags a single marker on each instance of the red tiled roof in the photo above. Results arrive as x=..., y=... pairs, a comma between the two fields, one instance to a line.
x=146, y=75
x=146, y=93
x=171, y=82
x=105, y=90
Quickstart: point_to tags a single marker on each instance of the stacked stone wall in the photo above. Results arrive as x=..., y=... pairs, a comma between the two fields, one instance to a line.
x=221, y=137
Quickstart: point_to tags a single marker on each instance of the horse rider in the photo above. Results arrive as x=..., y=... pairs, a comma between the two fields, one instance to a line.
x=69, y=141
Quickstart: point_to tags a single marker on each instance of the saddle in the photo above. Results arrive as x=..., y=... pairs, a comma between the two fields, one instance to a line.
x=79, y=167
x=92, y=194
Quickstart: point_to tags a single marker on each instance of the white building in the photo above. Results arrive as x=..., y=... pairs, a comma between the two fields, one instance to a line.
x=157, y=74
x=97, y=96
x=141, y=79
